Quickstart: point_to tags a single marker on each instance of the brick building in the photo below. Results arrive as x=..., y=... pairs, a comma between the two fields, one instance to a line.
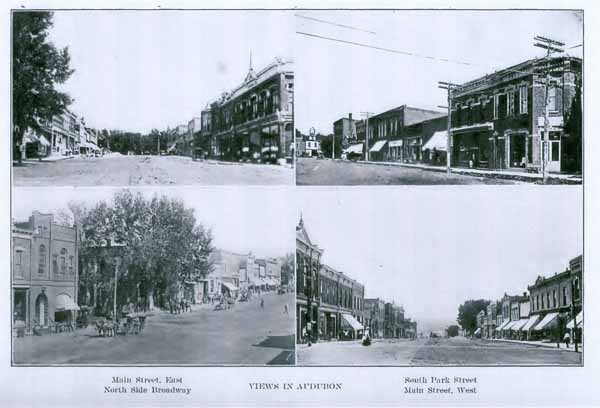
x=45, y=271
x=556, y=301
x=345, y=130
x=388, y=137
x=329, y=304
x=498, y=120
x=254, y=121
x=375, y=309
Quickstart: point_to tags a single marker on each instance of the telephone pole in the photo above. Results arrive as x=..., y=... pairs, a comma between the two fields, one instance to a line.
x=551, y=46
x=448, y=87
x=366, y=115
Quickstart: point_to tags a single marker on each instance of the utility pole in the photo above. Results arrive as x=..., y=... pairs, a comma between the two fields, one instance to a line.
x=366, y=115
x=448, y=87
x=551, y=46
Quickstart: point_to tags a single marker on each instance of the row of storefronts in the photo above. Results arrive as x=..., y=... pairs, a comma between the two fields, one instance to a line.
x=332, y=306
x=497, y=122
x=253, y=122
x=553, y=307
x=63, y=136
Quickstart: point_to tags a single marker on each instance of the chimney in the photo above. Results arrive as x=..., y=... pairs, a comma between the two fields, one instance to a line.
x=350, y=116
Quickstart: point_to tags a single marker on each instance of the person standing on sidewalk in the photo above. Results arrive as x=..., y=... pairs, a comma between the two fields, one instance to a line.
x=262, y=303
x=567, y=339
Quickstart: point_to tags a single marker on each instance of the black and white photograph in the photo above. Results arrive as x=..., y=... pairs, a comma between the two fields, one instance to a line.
x=125, y=97
x=466, y=283
x=501, y=90
x=125, y=277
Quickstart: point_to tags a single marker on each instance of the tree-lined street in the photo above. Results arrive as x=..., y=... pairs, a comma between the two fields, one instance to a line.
x=123, y=170
x=235, y=336
x=433, y=351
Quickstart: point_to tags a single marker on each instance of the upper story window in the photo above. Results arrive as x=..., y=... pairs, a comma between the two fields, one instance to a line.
x=55, y=264
x=552, y=99
x=523, y=99
x=564, y=295
x=42, y=260
x=71, y=269
x=63, y=261
x=18, y=263
x=510, y=106
x=496, y=106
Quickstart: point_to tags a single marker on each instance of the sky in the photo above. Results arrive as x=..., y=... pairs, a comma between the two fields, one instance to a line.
x=242, y=220
x=334, y=79
x=431, y=249
x=138, y=70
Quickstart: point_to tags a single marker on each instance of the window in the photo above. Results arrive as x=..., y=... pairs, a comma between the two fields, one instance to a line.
x=71, y=265
x=555, y=151
x=523, y=99
x=55, y=264
x=564, y=296
x=496, y=105
x=510, y=106
x=554, y=298
x=212, y=285
x=548, y=300
x=542, y=301
x=552, y=98
x=18, y=263
x=63, y=261
x=42, y=260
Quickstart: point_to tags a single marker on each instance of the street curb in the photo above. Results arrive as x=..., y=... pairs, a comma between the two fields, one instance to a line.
x=467, y=172
x=535, y=345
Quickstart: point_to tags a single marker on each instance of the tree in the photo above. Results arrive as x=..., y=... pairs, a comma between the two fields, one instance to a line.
x=467, y=313
x=326, y=146
x=452, y=330
x=287, y=269
x=158, y=243
x=572, y=147
x=37, y=67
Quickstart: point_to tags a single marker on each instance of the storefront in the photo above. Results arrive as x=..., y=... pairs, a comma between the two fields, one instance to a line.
x=396, y=153
x=546, y=328
x=350, y=328
x=434, y=151
x=377, y=151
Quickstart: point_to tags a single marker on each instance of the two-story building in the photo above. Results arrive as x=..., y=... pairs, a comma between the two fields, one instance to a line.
x=45, y=272
x=344, y=129
x=254, y=121
x=375, y=309
x=498, y=120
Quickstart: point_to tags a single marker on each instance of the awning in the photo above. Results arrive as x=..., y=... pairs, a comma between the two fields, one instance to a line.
x=546, y=321
x=352, y=322
x=64, y=302
x=396, y=143
x=355, y=148
x=378, y=145
x=530, y=323
x=170, y=149
x=44, y=141
x=519, y=324
x=579, y=319
x=229, y=286
x=504, y=323
x=439, y=141
x=478, y=330
x=30, y=138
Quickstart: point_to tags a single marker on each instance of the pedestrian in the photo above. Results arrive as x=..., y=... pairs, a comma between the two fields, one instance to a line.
x=567, y=339
x=285, y=309
x=262, y=303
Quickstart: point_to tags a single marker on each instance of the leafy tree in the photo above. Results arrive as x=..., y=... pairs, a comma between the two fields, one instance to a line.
x=326, y=145
x=37, y=67
x=572, y=146
x=467, y=313
x=453, y=330
x=287, y=269
x=157, y=242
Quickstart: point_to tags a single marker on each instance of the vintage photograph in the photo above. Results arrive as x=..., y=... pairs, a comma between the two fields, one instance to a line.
x=496, y=98
x=104, y=276
x=440, y=278
x=167, y=97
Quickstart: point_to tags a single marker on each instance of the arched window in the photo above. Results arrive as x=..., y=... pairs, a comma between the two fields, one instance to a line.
x=42, y=260
x=63, y=261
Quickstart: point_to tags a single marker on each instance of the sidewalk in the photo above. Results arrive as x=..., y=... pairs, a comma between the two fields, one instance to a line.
x=551, y=345
x=515, y=174
x=49, y=159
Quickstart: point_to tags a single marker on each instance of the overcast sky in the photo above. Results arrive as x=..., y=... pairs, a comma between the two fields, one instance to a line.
x=250, y=219
x=335, y=78
x=432, y=249
x=136, y=70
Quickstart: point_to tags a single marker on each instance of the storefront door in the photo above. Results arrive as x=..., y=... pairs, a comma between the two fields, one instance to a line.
x=554, y=156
